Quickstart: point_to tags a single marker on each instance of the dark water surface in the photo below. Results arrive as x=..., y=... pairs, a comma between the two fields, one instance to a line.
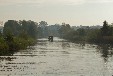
x=58, y=58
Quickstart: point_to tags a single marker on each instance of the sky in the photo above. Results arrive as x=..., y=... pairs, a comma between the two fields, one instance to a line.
x=73, y=12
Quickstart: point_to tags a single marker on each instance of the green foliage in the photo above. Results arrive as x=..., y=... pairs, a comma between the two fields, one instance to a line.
x=21, y=34
x=17, y=35
x=29, y=27
x=3, y=46
x=81, y=32
x=11, y=26
x=43, y=23
x=9, y=47
x=78, y=35
x=22, y=43
x=103, y=35
x=18, y=27
x=105, y=30
x=64, y=30
x=93, y=35
x=43, y=29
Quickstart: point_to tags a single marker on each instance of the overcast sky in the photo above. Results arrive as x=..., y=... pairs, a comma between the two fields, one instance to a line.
x=73, y=12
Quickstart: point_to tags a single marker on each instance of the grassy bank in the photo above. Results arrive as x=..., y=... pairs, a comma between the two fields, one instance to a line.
x=8, y=47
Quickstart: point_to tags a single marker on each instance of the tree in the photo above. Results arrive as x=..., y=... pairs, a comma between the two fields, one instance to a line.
x=10, y=42
x=29, y=27
x=81, y=32
x=11, y=26
x=65, y=29
x=43, y=28
x=105, y=29
x=17, y=27
x=43, y=24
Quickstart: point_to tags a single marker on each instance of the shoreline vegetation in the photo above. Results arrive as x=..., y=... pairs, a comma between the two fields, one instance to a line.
x=20, y=34
x=17, y=35
x=15, y=44
x=103, y=35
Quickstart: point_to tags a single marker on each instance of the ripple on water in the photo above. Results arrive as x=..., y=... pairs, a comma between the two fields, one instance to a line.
x=58, y=58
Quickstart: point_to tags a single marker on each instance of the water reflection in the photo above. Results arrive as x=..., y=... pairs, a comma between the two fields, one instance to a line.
x=7, y=58
x=82, y=44
x=65, y=45
x=59, y=58
x=105, y=50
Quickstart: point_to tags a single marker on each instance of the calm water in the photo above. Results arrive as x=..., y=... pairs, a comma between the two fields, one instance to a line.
x=58, y=58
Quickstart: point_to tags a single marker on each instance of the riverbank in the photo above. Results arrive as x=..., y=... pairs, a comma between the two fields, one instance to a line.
x=58, y=58
x=17, y=35
x=8, y=47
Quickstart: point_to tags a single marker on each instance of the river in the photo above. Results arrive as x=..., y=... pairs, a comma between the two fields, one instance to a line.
x=58, y=58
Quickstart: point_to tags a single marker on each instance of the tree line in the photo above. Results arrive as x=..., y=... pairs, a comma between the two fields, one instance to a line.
x=21, y=34
x=103, y=35
x=17, y=35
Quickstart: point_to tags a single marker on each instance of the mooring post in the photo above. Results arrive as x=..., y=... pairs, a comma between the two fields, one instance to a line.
x=50, y=38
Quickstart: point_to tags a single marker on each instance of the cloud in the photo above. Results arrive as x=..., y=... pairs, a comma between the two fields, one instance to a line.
x=14, y=2
x=77, y=2
x=39, y=2
x=99, y=1
x=71, y=2
x=42, y=2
